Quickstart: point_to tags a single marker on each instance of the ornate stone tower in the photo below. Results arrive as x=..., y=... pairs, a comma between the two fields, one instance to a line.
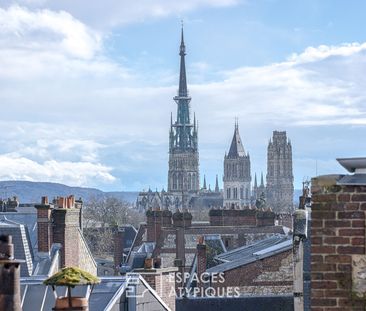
x=183, y=175
x=280, y=179
x=237, y=178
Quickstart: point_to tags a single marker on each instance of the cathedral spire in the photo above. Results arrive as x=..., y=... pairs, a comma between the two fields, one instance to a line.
x=204, y=182
x=217, y=189
x=183, y=175
x=262, y=182
x=236, y=147
x=183, y=92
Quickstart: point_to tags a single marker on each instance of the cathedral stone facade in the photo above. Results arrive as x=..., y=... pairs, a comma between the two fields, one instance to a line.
x=280, y=189
x=237, y=178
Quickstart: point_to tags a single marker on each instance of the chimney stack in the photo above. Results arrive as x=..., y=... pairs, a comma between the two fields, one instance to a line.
x=118, y=248
x=66, y=226
x=201, y=262
x=9, y=276
x=44, y=225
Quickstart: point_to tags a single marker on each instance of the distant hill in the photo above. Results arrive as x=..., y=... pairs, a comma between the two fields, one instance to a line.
x=31, y=192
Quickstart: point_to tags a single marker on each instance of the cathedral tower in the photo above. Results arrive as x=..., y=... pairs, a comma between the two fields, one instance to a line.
x=237, y=178
x=280, y=179
x=183, y=175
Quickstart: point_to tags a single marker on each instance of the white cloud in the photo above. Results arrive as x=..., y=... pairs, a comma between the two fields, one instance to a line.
x=57, y=31
x=13, y=167
x=44, y=44
x=81, y=106
x=312, y=54
x=116, y=12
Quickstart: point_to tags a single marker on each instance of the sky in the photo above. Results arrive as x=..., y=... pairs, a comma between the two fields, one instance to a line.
x=87, y=87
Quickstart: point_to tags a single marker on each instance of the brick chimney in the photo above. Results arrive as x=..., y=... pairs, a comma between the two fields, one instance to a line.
x=338, y=258
x=233, y=217
x=167, y=218
x=154, y=222
x=44, y=225
x=9, y=276
x=66, y=225
x=182, y=219
x=156, y=219
x=266, y=218
x=118, y=239
x=201, y=262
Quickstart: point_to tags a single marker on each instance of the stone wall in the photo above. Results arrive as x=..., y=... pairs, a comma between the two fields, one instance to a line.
x=338, y=245
x=272, y=275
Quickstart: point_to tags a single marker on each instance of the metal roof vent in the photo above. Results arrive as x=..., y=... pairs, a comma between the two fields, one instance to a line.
x=356, y=166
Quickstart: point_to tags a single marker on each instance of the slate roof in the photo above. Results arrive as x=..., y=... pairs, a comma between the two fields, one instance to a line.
x=21, y=241
x=247, y=254
x=26, y=216
x=129, y=235
x=166, y=245
x=137, y=257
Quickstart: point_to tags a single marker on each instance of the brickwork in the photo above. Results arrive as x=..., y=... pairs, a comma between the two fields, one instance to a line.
x=66, y=223
x=201, y=262
x=241, y=217
x=338, y=239
x=60, y=222
x=44, y=228
x=156, y=219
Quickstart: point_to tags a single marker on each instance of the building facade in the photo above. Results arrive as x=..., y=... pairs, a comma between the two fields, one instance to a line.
x=237, y=178
x=280, y=179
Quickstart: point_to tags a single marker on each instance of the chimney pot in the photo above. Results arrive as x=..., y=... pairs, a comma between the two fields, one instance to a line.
x=44, y=200
x=61, y=202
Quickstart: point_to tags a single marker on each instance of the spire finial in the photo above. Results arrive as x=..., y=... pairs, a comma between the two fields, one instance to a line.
x=182, y=46
x=236, y=123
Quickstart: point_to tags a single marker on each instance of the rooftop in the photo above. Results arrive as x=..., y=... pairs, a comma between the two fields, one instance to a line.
x=247, y=254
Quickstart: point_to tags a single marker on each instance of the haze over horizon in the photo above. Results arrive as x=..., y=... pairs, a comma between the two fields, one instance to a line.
x=86, y=94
